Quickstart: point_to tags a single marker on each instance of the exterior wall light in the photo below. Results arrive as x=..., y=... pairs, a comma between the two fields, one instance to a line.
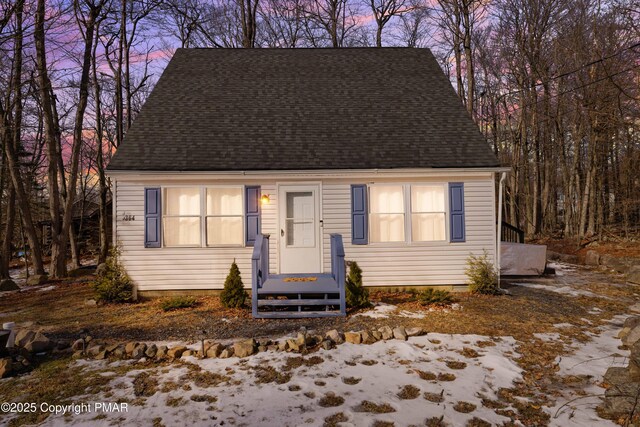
x=265, y=199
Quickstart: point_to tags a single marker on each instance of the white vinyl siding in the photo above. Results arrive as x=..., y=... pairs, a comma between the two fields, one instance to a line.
x=388, y=264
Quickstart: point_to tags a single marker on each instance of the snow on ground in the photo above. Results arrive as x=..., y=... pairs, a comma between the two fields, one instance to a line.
x=590, y=361
x=561, y=268
x=565, y=290
x=380, y=311
x=381, y=370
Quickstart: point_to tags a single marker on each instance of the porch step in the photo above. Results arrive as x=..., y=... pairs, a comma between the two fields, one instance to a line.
x=295, y=302
x=296, y=314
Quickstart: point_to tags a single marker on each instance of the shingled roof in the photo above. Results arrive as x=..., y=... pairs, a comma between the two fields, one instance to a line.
x=286, y=109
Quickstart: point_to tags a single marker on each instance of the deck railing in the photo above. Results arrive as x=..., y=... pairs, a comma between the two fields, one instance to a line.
x=511, y=233
x=259, y=268
x=338, y=267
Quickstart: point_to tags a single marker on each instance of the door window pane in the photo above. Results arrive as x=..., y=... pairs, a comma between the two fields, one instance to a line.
x=300, y=219
x=386, y=213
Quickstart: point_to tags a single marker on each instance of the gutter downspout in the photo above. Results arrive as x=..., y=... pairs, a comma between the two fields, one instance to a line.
x=499, y=237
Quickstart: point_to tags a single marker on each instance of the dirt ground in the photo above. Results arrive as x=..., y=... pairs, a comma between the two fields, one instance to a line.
x=571, y=307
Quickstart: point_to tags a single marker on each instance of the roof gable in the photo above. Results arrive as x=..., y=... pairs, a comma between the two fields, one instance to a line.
x=287, y=109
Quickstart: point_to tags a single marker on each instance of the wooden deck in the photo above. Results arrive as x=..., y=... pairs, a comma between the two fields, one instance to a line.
x=297, y=295
x=278, y=284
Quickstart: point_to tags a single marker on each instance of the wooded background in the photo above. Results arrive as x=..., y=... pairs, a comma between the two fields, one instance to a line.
x=553, y=84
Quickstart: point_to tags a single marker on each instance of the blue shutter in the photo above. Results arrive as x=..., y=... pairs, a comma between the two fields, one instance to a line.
x=359, y=215
x=456, y=211
x=152, y=217
x=252, y=213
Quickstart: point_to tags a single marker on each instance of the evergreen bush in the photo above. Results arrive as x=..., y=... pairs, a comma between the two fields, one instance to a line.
x=431, y=296
x=356, y=294
x=482, y=274
x=233, y=295
x=112, y=283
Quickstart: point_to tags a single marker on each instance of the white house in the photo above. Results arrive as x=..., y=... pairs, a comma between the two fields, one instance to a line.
x=372, y=146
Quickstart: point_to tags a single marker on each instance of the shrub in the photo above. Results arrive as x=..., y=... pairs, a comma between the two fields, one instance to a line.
x=431, y=296
x=233, y=295
x=112, y=283
x=178, y=302
x=356, y=294
x=483, y=276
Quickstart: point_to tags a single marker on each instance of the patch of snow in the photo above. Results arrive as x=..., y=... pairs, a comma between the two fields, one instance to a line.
x=242, y=401
x=563, y=325
x=561, y=268
x=547, y=336
x=565, y=290
x=590, y=360
x=412, y=314
x=46, y=288
x=379, y=311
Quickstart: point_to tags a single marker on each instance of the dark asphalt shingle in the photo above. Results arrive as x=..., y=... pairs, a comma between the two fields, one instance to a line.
x=284, y=109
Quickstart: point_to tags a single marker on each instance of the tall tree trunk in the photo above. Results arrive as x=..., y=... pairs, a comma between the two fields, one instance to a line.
x=5, y=255
x=102, y=181
x=12, y=145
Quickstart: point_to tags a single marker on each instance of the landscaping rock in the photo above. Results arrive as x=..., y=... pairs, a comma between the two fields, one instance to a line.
x=77, y=355
x=301, y=339
x=162, y=352
x=272, y=347
x=129, y=347
x=387, y=332
x=78, y=345
x=327, y=344
x=335, y=336
x=244, y=348
x=90, y=302
x=23, y=336
x=415, y=332
x=553, y=256
x=620, y=400
x=8, y=285
x=262, y=348
x=630, y=338
x=292, y=345
x=6, y=367
x=568, y=258
x=400, y=333
x=37, y=279
x=111, y=348
x=616, y=375
x=633, y=275
x=188, y=353
x=353, y=337
x=629, y=324
x=214, y=350
x=283, y=345
x=39, y=343
x=377, y=335
x=226, y=353
x=102, y=355
x=621, y=265
x=176, y=352
x=592, y=258
x=93, y=351
x=119, y=352
x=367, y=337
x=139, y=351
x=151, y=351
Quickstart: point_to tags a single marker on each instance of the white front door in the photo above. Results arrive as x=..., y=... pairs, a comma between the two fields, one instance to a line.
x=299, y=239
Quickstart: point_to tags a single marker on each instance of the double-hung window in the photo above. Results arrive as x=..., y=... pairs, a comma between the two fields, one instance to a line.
x=407, y=213
x=181, y=216
x=224, y=216
x=428, y=213
x=386, y=213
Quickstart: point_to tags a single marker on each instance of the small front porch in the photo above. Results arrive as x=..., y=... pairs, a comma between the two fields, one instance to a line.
x=297, y=295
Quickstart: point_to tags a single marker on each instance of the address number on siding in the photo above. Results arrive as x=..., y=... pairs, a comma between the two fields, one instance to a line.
x=127, y=217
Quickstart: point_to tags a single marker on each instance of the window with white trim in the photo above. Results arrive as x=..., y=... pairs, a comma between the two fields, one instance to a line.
x=181, y=216
x=224, y=216
x=428, y=213
x=386, y=213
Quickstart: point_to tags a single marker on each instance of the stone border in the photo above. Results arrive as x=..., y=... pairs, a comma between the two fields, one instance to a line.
x=303, y=343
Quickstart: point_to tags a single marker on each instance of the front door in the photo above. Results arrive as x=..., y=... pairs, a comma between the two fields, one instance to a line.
x=299, y=213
